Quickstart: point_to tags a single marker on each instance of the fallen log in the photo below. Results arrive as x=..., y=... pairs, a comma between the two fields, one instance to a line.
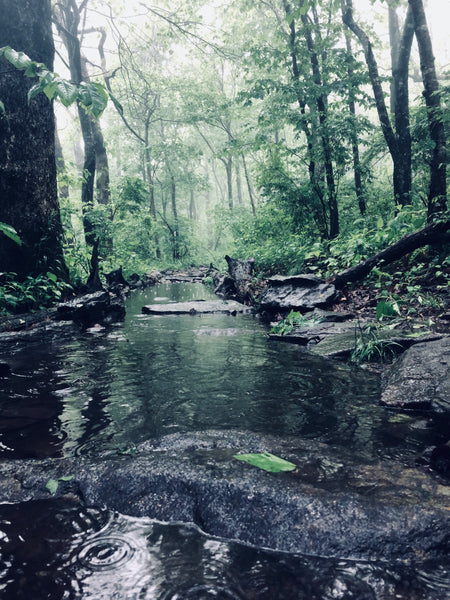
x=434, y=233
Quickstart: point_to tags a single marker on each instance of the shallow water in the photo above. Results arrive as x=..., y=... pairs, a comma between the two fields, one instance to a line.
x=60, y=551
x=107, y=389
x=76, y=392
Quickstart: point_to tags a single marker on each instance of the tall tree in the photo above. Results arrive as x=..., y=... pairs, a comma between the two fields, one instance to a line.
x=437, y=195
x=67, y=18
x=398, y=140
x=28, y=188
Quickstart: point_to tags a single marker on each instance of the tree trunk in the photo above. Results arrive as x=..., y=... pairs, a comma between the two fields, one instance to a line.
x=323, y=117
x=437, y=195
x=192, y=206
x=173, y=196
x=63, y=189
x=66, y=17
x=319, y=216
x=434, y=233
x=357, y=170
x=150, y=181
x=397, y=145
x=249, y=185
x=400, y=91
x=28, y=187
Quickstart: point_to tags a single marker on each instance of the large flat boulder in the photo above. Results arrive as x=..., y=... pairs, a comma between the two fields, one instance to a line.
x=420, y=378
x=298, y=292
x=333, y=504
x=196, y=307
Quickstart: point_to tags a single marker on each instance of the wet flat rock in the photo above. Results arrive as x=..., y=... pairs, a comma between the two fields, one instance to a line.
x=340, y=344
x=420, y=378
x=197, y=307
x=331, y=505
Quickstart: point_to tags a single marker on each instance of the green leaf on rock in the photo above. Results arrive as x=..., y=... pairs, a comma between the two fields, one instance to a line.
x=267, y=462
x=52, y=486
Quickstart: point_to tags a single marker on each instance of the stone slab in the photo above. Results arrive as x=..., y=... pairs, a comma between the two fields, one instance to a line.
x=197, y=307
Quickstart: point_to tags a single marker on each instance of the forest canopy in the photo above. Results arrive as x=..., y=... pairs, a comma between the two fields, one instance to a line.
x=308, y=134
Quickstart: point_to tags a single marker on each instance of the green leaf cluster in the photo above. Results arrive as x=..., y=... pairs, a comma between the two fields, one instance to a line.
x=92, y=96
x=33, y=293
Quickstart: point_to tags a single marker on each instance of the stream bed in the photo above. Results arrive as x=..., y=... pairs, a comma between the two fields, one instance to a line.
x=82, y=393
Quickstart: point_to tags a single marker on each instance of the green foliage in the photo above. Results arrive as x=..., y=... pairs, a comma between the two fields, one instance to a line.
x=387, y=309
x=292, y=321
x=10, y=232
x=267, y=461
x=92, y=96
x=31, y=294
x=369, y=347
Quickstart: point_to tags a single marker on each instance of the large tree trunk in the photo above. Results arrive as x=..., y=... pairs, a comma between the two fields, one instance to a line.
x=435, y=233
x=437, y=195
x=28, y=188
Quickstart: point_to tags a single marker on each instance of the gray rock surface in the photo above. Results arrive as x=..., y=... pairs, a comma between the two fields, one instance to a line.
x=196, y=307
x=420, y=378
x=332, y=505
x=299, y=292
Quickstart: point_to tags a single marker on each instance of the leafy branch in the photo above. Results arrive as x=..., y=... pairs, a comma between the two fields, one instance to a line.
x=93, y=97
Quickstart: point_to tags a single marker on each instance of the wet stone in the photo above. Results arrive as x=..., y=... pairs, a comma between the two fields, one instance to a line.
x=420, y=378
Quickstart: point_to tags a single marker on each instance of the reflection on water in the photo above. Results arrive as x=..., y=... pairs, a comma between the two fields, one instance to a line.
x=108, y=388
x=82, y=392
x=58, y=551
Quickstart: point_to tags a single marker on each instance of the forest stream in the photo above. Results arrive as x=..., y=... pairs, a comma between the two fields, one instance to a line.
x=106, y=391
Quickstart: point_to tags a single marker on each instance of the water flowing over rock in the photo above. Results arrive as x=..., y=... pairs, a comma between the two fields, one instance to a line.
x=420, y=378
x=332, y=505
x=298, y=292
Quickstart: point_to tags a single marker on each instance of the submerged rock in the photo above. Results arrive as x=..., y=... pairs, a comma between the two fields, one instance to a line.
x=332, y=505
x=420, y=378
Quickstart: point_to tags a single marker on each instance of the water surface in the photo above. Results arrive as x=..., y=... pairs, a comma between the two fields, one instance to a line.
x=107, y=389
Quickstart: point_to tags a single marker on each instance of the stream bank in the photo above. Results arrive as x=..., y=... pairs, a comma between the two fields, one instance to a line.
x=358, y=492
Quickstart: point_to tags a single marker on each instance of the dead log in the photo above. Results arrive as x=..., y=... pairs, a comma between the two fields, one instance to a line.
x=434, y=233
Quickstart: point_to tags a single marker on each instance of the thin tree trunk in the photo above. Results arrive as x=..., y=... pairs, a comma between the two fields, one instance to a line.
x=63, y=189
x=326, y=146
x=313, y=170
x=150, y=182
x=437, y=195
x=400, y=158
x=238, y=182
x=192, y=206
x=173, y=196
x=357, y=170
x=249, y=186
